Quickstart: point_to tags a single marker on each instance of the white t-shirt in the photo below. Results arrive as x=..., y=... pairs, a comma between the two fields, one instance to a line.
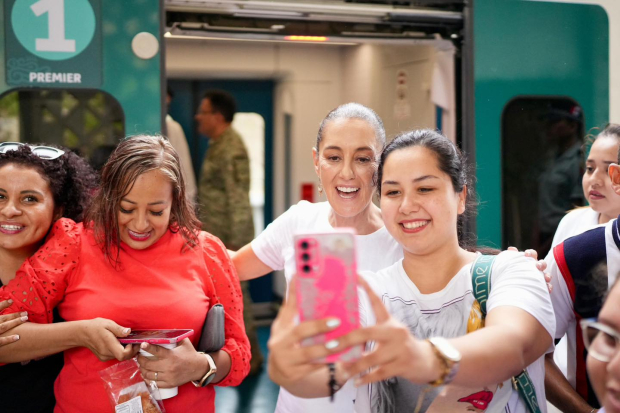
x=563, y=304
x=574, y=223
x=515, y=282
x=274, y=247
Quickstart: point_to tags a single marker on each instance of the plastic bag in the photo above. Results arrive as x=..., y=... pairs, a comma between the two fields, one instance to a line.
x=127, y=390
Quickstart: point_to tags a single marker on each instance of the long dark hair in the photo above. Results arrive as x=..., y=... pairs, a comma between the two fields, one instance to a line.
x=133, y=157
x=72, y=181
x=453, y=163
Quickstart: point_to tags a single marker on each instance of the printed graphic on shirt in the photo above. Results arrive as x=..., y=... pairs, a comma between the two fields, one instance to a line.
x=454, y=318
x=478, y=401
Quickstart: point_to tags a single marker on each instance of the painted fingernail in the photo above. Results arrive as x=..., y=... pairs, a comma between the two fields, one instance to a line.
x=23, y=314
x=10, y=301
x=333, y=323
x=24, y=318
x=330, y=345
x=143, y=346
x=15, y=338
x=127, y=330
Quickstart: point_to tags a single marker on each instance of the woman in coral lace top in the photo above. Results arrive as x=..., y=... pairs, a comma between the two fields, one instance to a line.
x=142, y=262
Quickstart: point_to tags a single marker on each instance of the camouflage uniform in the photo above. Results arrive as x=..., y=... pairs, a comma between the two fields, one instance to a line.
x=225, y=210
x=224, y=191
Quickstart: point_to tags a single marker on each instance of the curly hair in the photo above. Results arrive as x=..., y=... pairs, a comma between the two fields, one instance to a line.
x=71, y=179
x=133, y=157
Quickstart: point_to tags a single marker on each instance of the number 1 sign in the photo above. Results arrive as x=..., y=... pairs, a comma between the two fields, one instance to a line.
x=56, y=41
x=53, y=43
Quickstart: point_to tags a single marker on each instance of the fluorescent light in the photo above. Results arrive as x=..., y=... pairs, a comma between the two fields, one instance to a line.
x=306, y=38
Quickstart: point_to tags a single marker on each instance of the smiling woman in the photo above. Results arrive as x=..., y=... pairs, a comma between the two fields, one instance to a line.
x=423, y=324
x=28, y=207
x=38, y=185
x=348, y=144
x=141, y=261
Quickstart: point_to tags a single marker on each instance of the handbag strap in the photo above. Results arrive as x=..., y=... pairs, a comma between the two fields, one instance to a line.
x=481, y=281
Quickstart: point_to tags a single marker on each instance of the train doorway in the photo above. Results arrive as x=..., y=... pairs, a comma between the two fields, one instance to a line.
x=406, y=64
x=254, y=122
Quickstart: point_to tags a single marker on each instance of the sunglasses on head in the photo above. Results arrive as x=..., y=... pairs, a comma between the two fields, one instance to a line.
x=43, y=152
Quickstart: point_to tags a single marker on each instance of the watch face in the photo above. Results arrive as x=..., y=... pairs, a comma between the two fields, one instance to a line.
x=447, y=349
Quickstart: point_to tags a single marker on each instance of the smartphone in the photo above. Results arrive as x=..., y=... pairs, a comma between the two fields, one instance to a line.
x=327, y=286
x=156, y=336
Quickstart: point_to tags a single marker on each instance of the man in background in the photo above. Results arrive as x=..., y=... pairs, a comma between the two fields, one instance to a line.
x=223, y=192
x=177, y=139
x=560, y=188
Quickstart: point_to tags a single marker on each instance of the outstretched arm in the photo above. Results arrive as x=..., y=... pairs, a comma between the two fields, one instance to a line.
x=248, y=265
x=41, y=340
x=510, y=347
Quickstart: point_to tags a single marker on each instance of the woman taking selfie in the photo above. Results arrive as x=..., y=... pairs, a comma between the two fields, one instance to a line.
x=348, y=145
x=142, y=262
x=38, y=185
x=420, y=310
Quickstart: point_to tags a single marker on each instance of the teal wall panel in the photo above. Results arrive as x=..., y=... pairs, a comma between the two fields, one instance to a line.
x=531, y=48
x=134, y=82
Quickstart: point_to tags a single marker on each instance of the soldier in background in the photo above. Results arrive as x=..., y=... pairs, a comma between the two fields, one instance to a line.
x=223, y=191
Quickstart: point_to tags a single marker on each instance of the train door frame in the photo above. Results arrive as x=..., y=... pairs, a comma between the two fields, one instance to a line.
x=199, y=24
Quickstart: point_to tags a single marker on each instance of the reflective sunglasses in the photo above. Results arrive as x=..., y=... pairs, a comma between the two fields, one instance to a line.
x=43, y=152
x=600, y=340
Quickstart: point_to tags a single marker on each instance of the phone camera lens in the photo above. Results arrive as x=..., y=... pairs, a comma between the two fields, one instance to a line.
x=306, y=268
x=304, y=245
x=305, y=257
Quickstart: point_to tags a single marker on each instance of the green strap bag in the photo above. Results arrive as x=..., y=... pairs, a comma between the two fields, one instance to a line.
x=481, y=282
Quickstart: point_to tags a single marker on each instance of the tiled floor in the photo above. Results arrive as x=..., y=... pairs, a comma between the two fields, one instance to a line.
x=256, y=394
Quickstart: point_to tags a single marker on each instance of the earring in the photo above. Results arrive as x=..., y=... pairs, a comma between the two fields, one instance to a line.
x=320, y=189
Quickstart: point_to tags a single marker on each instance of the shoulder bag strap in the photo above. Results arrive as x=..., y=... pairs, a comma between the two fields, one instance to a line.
x=481, y=283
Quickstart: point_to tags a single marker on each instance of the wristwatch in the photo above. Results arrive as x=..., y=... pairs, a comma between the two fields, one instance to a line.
x=449, y=358
x=210, y=375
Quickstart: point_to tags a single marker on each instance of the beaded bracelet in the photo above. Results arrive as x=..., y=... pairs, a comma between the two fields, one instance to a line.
x=333, y=384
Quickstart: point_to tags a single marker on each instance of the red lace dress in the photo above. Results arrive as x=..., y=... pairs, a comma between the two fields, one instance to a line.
x=158, y=287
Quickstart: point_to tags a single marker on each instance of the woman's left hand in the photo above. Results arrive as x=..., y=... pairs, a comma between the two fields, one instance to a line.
x=172, y=368
x=396, y=351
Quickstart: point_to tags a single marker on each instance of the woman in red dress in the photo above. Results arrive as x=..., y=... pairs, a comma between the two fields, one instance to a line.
x=141, y=261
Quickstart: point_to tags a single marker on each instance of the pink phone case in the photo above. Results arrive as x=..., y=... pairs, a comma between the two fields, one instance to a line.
x=327, y=285
x=156, y=336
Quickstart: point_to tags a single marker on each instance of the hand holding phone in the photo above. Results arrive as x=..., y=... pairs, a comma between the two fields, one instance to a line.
x=156, y=336
x=327, y=286
x=164, y=338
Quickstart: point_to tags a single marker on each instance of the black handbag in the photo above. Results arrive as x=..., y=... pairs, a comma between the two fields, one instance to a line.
x=213, y=336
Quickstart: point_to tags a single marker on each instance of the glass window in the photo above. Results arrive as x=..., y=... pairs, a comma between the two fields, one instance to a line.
x=87, y=122
x=542, y=166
